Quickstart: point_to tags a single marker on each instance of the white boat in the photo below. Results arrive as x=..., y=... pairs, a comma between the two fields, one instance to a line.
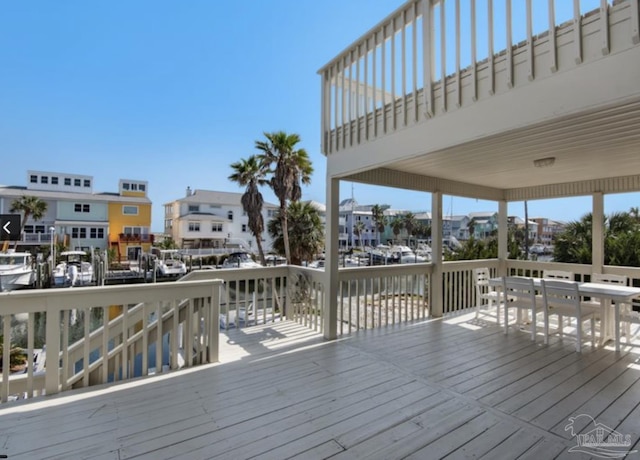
x=73, y=270
x=169, y=262
x=240, y=259
x=16, y=270
x=404, y=255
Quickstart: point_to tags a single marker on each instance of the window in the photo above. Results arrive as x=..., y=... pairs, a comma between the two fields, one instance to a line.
x=134, y=186
x=79, y=207
x=76, y=182
x=28, y=228
x=54, y=180
x=194, y=226
x=230, y=215
x=67, y=181
x=125, y=186
x=216, y=227
x=86, y=208
x=87, y=183
x=39, y=228
x=244, y=228
x=78, y=232
x=33, y=179
x=44, y=180
x=194, y=208
x=130, y=210
x=141, y=187
x=96, y=232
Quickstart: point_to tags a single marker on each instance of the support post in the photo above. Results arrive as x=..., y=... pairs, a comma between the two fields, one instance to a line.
x=330, y=310
x=503, y=237
x=597, y=241
x=436, y=300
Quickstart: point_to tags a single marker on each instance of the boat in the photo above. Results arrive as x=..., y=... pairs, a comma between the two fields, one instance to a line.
x=404, y=255
x=272, y=260
x=73, y=270
x=240, y=259
x=169, y=262
x=16, y=271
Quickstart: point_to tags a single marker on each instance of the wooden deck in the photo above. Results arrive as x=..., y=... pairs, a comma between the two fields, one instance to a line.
x=451, y=388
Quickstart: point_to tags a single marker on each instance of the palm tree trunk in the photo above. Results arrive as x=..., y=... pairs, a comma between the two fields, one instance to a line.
x=285, y=233
x=260, y=250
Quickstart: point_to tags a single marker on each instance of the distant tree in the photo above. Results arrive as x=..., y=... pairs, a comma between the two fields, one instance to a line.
x=397, y=224
x=409, y=222
x=379, y=219
x=358, y=229
x=306, y=232
x=291, y=167
x=621, y=241
x=29, y=206
x=251, y=173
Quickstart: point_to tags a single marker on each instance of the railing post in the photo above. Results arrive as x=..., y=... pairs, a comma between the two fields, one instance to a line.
x=330, y=312
x=436, y=301
x=214, y=325
x=52, y=334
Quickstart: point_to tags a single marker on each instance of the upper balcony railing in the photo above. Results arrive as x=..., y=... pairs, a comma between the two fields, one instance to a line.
x=432, y=56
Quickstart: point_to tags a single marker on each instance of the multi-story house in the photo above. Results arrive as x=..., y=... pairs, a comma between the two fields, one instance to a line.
x=76, y=216
x=130, y=220
x=211, y=219
x=547, y=230
x=483, y=223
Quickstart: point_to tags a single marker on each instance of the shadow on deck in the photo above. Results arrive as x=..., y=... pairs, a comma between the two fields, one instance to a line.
x=455, y=387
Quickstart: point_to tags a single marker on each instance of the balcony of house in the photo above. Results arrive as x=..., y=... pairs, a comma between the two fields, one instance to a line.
x=129, y=238
x=233, y=364
x=436, y=78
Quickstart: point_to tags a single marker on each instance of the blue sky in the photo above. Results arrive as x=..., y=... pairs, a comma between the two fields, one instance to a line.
x=173, y=92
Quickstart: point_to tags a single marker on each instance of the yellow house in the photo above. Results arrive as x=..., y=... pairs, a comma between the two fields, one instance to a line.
x=130, y=220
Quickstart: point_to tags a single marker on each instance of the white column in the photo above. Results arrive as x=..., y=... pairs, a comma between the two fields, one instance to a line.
x=597, y=242
x=331, y=260
x=436, y=255
x=503, y=237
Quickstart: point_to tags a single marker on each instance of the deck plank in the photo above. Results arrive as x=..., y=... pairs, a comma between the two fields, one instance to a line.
x=434, y=388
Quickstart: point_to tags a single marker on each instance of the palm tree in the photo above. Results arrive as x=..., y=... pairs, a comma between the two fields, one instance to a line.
x=29, y=206
x=306, y=232
x=379, y=219
x=292, y=167
x=358, y=229
x=397, y=224
x=252, y=173
x=409, y=221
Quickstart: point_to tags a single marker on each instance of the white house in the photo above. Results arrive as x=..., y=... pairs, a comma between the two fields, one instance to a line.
x=211, y=219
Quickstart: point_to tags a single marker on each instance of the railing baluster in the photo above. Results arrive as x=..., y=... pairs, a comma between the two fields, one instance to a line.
x=86, y=348
x=159, y=333
x=553, y=52
x=105, y=344
x=509, y=50
x=530, y=54
x=428, y=57
x=458, y=76
x=474, y=51
x=491, y=57
x=6, y=356
x=66, y=365
x=30, y=354
x=577, y=31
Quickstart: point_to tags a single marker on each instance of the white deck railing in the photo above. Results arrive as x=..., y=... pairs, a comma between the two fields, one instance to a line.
x=71, y=322
x=193, y=310
x=432, y=56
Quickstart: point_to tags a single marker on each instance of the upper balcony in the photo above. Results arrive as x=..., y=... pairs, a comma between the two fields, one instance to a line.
x=461, y=97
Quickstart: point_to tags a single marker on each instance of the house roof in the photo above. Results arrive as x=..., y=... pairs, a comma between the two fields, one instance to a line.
x=216, y=197
x=18, y=191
